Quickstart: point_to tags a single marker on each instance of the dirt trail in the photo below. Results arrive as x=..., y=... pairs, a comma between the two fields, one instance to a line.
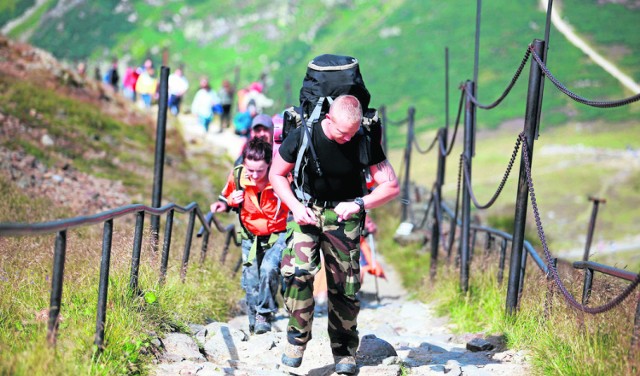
x=397, y=334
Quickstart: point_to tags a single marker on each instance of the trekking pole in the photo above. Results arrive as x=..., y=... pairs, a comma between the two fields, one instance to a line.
x=372, y=245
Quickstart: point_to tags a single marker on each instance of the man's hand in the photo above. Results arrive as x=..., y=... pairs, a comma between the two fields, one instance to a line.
x=217, y=207
x=304, y=215
x=345, y=210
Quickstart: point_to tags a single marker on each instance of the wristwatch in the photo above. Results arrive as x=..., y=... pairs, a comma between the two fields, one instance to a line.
x=360, y=202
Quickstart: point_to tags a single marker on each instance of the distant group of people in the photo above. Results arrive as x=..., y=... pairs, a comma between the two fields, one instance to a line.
x=140, y=84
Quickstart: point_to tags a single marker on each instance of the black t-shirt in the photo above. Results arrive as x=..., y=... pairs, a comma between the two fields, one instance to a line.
x=342, y=177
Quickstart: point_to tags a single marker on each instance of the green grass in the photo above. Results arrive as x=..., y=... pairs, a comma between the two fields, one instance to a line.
x=559, y=345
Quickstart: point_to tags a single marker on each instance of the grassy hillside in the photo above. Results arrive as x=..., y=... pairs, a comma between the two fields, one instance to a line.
x=68, y=148
x=400, y=44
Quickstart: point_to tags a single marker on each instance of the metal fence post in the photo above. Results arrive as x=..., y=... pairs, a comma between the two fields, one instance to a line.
x=407, y=165
x=592, y=225
x=469, y=132
x=531, y=124
x=187, y=245
x=435, y=229
x=104, y=284
x=158, y=168
x=166, y=245
x=588, y=282
x=57, y=278
x=135, y=257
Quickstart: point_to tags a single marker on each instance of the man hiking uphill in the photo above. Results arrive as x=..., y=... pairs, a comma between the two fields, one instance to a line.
x=263, y=218
x=330, y=219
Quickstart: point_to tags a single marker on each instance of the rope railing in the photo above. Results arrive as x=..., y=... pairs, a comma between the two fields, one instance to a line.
x=507, y=90
x=576, y=97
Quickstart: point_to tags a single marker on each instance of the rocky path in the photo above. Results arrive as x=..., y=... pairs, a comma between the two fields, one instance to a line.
x=398, y=335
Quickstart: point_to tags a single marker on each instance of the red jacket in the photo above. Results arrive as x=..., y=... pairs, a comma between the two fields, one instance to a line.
x=260, y=217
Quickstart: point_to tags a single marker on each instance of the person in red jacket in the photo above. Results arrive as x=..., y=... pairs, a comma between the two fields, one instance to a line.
x=263, y=217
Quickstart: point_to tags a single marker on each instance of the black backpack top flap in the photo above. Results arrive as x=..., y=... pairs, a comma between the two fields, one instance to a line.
x=331, y=76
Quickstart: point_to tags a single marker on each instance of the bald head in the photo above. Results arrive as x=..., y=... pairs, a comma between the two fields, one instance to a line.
x=343, y=120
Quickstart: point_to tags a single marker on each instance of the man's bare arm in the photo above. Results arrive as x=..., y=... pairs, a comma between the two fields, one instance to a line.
x=387, y=185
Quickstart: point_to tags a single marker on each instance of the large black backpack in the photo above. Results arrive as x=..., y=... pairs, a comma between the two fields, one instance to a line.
x=329, y=76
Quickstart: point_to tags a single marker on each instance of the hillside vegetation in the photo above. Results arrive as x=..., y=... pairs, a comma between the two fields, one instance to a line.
x=69, y=147
x=400, y=44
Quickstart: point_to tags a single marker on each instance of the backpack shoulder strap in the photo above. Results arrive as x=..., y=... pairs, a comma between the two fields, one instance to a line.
x=237, y=173
x=306, y=139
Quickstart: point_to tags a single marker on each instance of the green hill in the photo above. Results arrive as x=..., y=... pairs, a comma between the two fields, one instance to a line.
x=400, y=44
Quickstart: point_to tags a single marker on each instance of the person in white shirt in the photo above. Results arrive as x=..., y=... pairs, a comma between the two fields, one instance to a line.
x=203, y=102
x=177, y=87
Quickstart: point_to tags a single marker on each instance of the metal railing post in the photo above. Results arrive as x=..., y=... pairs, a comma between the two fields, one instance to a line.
x=57, y=279
x=166, y=246
x=187, y=245
x=469, y=132
x=407, y=165
x=435, y=229
x=588, y=282
x=158, y=167
x=135, y=257
x=104, y=284
x=531, y=124
x=592, y=225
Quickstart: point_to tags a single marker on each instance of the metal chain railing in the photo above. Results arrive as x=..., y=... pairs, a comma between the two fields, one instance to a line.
x=467, y=178
x=576, y=97
x=553, y=270
x=397, y=123
x=425, y=151
x=507, y=90
x=444, y=149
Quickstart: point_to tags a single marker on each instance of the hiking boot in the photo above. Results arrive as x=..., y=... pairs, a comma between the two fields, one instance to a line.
x=262, y=324
x=345, y=365
x=292, y=355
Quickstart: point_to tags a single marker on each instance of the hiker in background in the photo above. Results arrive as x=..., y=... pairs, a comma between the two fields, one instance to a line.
x=255, y=96
x=261, y=127
x=147, y=84
x=330, y=220
x=243, y=119
x=112, y=78
x=177, y=87
x=226, y=100
x=203, y=103
x=263, y=218
x=129, y=83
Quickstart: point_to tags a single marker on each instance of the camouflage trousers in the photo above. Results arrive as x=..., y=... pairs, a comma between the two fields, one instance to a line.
x=260, y=279
x=301, y=261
